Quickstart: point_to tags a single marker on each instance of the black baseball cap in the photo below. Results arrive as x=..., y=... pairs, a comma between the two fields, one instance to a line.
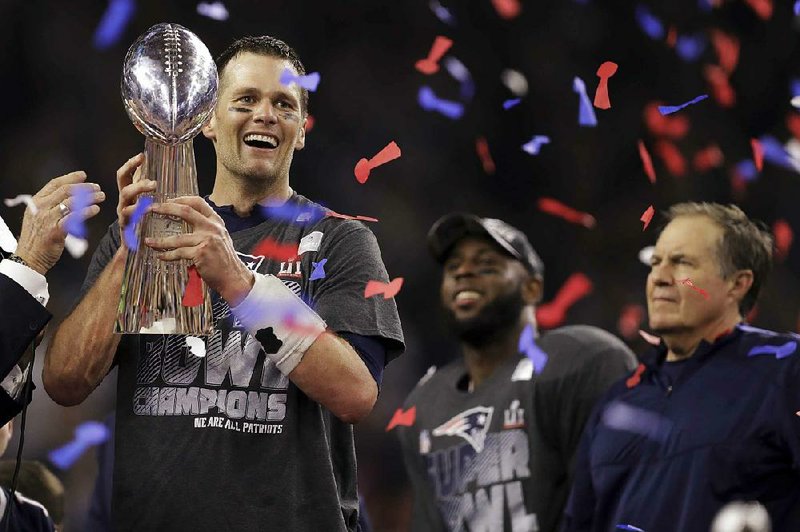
x=451, y=228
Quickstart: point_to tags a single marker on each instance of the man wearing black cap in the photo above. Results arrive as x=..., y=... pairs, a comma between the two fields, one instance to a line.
x=489, y=439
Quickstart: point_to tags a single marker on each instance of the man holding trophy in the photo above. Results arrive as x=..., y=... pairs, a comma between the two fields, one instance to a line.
x=254, y=432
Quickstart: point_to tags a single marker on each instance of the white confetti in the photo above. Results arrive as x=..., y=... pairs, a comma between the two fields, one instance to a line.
x=515, y=82
x=196, y=345
x=27, y=199
x=76, y=246
x=646, y=254
x=216, y=10
x=796, y=102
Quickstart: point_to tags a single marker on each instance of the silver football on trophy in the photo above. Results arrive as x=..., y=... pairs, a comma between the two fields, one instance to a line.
x=169, y=83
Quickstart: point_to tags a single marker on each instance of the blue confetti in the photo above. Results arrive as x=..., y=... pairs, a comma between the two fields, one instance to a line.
x=690, y=47
x=319, y=271
x=442, y=13
x=621, y=416
x=527, y=345
x=309, y=82
x=797, y=7
x=629, y=527
x=508, y=104
x=428, y=101
x=649, y=23
x=669, y=109
x=794, y=84
x=293, y=212
x=457, y=69
x=74, y=222
x=129, y=234
x=775, y=153
x=586, y=115
x=780, y=351
x=86, y=434
x=747, y=169
x=534, y=145
x=113, y=23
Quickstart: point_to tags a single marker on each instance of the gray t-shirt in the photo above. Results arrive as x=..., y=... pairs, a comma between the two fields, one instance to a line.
x=500, y=458
x=226, y=442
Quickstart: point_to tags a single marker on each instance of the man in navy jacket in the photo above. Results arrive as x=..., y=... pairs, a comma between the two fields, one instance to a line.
x=712, y=414
x=23, y=288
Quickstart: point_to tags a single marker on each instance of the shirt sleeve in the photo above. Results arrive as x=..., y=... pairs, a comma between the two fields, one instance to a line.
x=354, y=259
x=31, y=280
x=371, y=351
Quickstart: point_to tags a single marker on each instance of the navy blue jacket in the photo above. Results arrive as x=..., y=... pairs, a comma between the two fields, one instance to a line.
x=665, y=456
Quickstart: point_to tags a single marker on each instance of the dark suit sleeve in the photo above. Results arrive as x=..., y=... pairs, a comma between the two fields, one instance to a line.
x=21, y=319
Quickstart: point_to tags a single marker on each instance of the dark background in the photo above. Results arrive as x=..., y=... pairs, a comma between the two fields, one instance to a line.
x=62, y=111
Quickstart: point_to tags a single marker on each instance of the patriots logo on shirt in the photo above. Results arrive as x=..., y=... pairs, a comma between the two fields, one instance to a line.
x=251, y=261
x=471, y=425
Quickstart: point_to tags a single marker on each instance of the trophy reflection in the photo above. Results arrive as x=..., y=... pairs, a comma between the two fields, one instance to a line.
x=169, y=89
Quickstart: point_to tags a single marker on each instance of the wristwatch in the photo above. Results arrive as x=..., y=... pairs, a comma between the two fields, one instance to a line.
x=17, y=258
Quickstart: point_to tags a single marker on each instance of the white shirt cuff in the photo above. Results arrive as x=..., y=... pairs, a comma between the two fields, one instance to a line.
x=32, y=281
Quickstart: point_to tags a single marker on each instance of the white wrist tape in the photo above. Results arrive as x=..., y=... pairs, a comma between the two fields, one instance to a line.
x=274, y=314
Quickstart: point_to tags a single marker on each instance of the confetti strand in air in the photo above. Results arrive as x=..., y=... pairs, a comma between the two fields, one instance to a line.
x=402, y=419
x=556, y=208
x=669, y=109
x=647, y=216
x=113, y=23
x=129, y=234
x=309, y=82
x=552, y=314
x=586, y=115
x=430, y=102
x=784, y=235
x=214, y=11
x=527, y=346
x=442, y=13
x=319, y=270
x=534, y=145
x=389, y=290
x=688, y=282
x=482, y=148
x=87, y=434
x=605, y=71
x=647, y=162
x=193, y=293
x=430, y=64
x=758, y=154
x=364, y=166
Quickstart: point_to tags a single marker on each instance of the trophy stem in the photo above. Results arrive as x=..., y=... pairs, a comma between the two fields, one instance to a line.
x=152, y=289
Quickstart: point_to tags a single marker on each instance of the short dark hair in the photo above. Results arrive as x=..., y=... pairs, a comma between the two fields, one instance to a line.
x=745, y=245
x=269, y=46
x=38, y=483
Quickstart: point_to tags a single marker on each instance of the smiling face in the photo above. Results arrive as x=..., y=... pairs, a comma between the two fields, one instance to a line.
x=688, y=249
x=258, y=122
x=484, y=290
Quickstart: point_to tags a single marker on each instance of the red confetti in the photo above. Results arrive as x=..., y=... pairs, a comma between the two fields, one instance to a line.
x=793, y=125
x=751, y=316
x=649, y=338
x=629, y=320
x=193, y=294
x=482, y=147
x=309, y=123
x=763, y=8
x=388, y=290
x=672, y=37
x=671, y=155
x=647, y=162
x=783, y=238
x=334, y=214
x=430, y=65
x=727, y=47
x=507, y=9
x=672, y=126
x=708, y=158
x=720, y=86
x=605, y=71
x=647, y=216
x=758, y=154
x=274, y=250
x=556, y=208
x=402, y=419
x=364, y=166
x=636, y=378
x=688, y=282
x=552, y=314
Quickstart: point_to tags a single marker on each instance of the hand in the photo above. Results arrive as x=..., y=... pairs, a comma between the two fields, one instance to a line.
x=41, y=240
x=209, y=247
x=130, y=186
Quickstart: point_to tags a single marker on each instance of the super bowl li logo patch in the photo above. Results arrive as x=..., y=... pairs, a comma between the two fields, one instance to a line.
x=472, y=425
